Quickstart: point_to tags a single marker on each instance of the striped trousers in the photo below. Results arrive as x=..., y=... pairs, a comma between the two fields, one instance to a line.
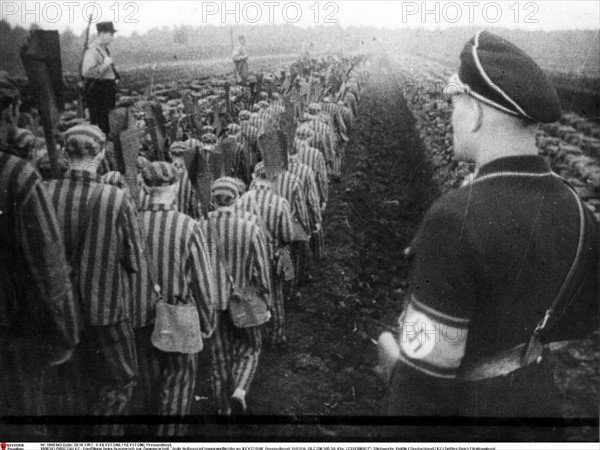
x=336, y=162
x=166, y=384
x=98, y=380
x=276, y=327
x=21, y=378
x=234, y=359
x=301, y=261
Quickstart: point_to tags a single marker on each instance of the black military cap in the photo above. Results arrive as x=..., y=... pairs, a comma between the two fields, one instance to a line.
x=105, y=27
x=498, y=73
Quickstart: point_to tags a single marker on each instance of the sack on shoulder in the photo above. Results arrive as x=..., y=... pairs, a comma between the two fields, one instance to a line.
x=298, y=232
x=247, y=308
x=285, y=267
x=177, y=328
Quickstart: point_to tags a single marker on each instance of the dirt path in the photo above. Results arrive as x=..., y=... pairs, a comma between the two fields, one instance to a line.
x=371, y=216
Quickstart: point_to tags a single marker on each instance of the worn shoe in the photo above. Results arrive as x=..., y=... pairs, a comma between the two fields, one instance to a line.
x=238, y=403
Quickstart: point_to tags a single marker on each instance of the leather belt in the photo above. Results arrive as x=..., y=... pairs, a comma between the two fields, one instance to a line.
x=507, y=361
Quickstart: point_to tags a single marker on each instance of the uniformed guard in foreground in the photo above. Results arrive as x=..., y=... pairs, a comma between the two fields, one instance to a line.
x=506, y=268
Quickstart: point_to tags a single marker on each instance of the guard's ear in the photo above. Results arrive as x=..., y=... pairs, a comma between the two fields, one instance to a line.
x=477, y=115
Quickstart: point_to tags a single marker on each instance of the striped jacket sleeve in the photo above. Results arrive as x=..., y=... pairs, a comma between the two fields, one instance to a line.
x=262, y=266
x=312, y=198
x=130, y=239
x=44, y=253
x=285, y=223
x=199, y=272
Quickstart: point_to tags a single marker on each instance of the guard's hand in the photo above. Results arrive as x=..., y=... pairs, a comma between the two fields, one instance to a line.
x=317, y=227
x=108, y=60
x=61, y=356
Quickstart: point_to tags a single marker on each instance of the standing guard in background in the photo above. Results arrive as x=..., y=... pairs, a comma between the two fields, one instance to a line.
x=100, y=77
x=39, y=321
x=505, y=269
x=240, y=59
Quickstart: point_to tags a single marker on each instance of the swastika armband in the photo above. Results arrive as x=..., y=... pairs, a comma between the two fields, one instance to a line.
x=431, y=341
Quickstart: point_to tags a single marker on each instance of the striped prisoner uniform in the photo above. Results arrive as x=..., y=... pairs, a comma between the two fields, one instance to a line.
x=323, y=141
x=289, y=187
x=339, y=127
x=277, y=218
x=311, y=193
x=141, y=308
x=185, y=274
x=250, y=135
x=185, y=202
x=106, y=358
x=237, y=244
x=257, y=122
x=347, y=116
x=350, y=100
x=309, y=189
x=141, y=317
x=36, y=297
x=314, y=159
x=301, y=249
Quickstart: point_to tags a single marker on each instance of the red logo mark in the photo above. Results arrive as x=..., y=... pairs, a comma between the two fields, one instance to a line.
x=3, y=445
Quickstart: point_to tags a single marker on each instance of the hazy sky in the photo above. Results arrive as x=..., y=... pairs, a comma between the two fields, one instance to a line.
x=144, y=15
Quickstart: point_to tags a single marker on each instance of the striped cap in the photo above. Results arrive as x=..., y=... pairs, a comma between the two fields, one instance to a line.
x=233, y=128
x=207, y=129
x=227, y=189
x=256, y=107
x=23, y=138
x=8, y=88
x=209, y=138
x=264, y=95
x=263, y=104
x=304, y=133
x=84, y=140
x=499, y=74
x=178, y=148
x=86, y=130
x=244, y=114
x=159, y=173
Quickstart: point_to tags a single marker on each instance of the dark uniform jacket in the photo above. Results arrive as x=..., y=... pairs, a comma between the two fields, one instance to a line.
x=489, y=259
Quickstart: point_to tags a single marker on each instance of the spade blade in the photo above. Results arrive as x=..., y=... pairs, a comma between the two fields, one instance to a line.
x=273, y=147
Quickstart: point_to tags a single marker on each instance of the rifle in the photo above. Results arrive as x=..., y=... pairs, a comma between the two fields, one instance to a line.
x=81, y=84
x=235, y=77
